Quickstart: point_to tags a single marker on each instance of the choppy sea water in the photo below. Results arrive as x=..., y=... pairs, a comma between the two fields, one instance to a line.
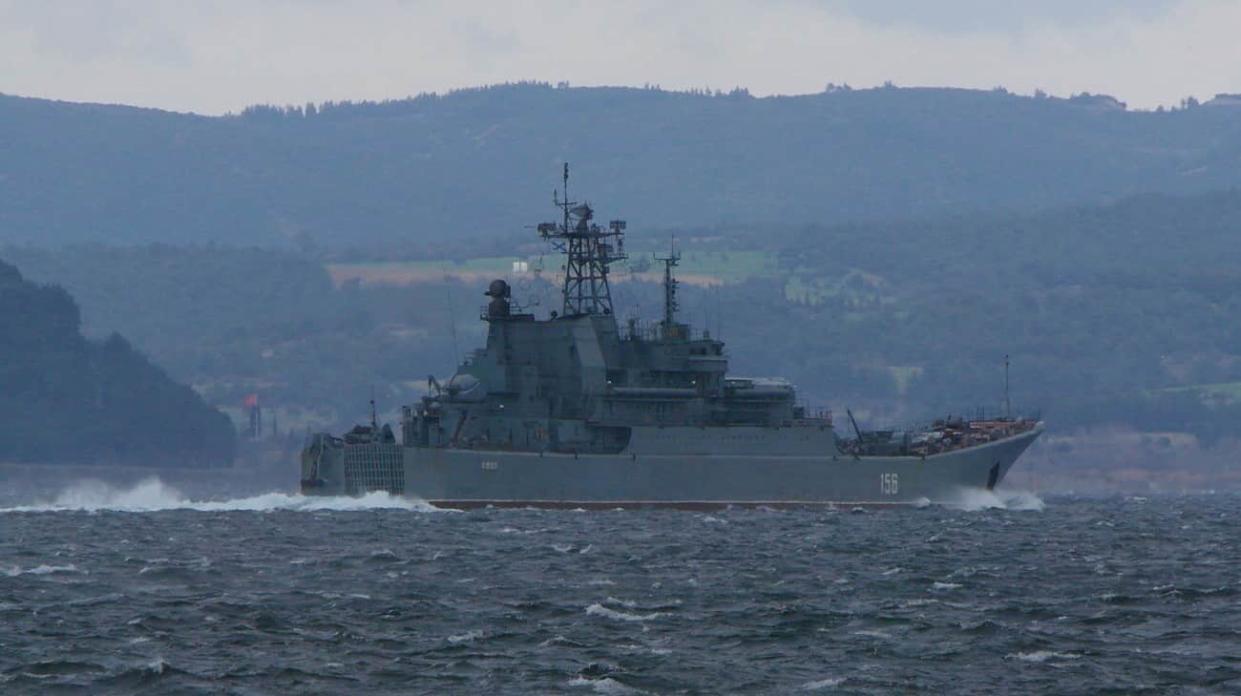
x=142, y=590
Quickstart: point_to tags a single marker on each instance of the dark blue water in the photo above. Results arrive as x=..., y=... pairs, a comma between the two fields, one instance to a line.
x=278, y=594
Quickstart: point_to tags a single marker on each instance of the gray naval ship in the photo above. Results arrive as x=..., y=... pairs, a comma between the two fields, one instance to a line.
x=576, y=410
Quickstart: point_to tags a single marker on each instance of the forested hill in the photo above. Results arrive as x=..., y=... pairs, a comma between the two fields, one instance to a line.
x=1123, y=314
x=482, y=162
x=63, y=398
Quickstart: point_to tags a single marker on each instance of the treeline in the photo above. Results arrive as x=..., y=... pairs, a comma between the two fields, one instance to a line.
x=66, y=399
x=236, y=321
x=1127, y=314
x=405, y=177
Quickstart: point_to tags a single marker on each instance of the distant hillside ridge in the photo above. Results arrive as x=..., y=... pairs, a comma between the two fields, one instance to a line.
x=1125, y=314
x=480, y=163
x=66, y=399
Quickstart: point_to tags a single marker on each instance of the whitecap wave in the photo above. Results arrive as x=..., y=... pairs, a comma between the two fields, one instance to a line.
x=974, y=499
x=157, y=666
x=600, y=610
x=606, y=685
x=153, y=495
x=873, y=634
x=1041, y=656
x=467, y=637
x=14, y=571
x=820, y=684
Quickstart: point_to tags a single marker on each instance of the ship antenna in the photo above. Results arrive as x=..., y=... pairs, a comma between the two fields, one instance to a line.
x=452, y=321
x=670, y=284
x=1008, y=406
x=374, y=419
x=589, y=250
x=719, y=315
x=566, y=195
x=856, y=430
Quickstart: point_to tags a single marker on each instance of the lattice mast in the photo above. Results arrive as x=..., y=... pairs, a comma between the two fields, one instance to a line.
x=672, y=260
x=589, y=251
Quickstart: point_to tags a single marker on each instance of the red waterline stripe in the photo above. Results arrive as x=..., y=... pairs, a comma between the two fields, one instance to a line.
x=662, y=504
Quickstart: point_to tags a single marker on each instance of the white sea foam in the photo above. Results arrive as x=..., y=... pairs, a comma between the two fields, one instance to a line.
x=153, y=495
x=157, y=666
x=606, y=685
x=974, y=499
x=1041, y=656
x=964, y=572
x=384, y=555
x=597, y=609
x=467, y=637
x=945, y=586
x=14, y=571
x=873, y=634
x=820, y=684
x=515, y=530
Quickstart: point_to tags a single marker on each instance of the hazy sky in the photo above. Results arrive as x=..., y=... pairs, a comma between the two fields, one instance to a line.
x=213, y=56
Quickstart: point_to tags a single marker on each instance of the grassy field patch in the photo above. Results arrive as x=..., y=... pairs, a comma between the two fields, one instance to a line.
x=696, y=268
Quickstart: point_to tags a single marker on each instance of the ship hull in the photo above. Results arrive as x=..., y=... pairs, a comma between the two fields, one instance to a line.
x=463, y=479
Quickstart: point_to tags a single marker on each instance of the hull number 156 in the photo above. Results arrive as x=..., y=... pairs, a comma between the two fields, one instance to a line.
x=889, y=484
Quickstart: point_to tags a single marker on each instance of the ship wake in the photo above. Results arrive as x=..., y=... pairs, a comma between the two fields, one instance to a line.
x=974, y=499
x=153, y=495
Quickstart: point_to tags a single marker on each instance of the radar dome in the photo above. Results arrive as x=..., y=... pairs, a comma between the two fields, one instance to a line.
x=498, y=289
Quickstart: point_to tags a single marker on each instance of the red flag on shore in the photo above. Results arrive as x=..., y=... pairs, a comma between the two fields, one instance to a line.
x=251, y=401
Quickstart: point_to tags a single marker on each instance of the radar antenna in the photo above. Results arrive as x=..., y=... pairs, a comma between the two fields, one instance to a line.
x=590, y=250
x=670, y=261
x=1008, y=405
x=374, y=417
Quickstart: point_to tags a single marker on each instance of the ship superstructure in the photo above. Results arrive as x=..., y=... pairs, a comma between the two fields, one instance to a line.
x=577, y=409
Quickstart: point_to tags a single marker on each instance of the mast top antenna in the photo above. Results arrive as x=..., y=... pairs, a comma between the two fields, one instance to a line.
x=374, y=416
x=589, y=251
x=672, y=260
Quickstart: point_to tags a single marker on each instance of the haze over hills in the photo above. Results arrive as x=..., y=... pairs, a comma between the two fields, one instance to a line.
x=402, y=177
x=896, y=243
x=66, y=399
x=1123, y=314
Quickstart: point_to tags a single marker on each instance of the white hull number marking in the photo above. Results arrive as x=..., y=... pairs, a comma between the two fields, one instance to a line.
x=490, y=465
x=889, y=484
